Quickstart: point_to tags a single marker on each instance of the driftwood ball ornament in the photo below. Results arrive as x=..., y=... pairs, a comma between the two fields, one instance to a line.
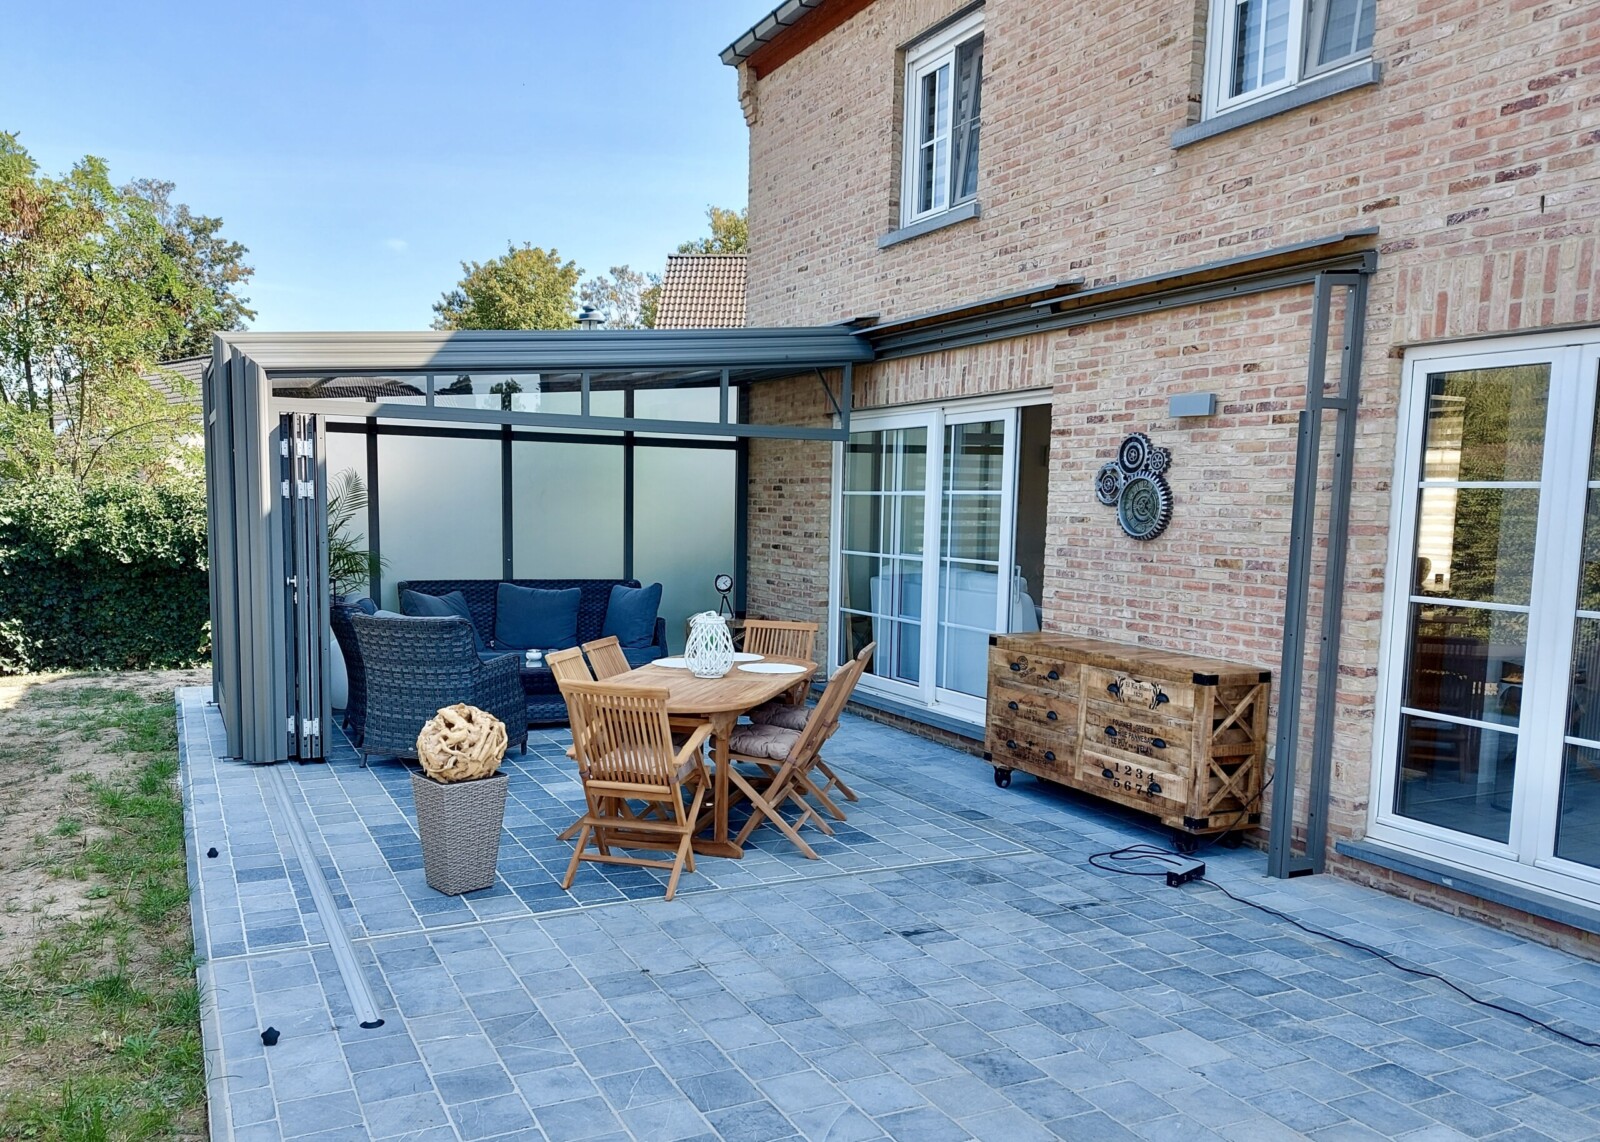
x=461, y=743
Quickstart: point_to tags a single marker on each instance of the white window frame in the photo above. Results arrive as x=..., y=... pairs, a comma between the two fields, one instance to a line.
x=922, y=59
x=1306, y=17
x=1526, y=858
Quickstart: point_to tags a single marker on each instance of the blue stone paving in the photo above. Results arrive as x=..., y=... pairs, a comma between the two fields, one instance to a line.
x=951, y=967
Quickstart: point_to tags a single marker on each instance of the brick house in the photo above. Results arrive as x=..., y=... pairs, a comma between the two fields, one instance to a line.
x=1217, y=202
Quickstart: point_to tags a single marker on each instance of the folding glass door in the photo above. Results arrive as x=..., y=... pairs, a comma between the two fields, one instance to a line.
x=1491, y=747
x=925, y=551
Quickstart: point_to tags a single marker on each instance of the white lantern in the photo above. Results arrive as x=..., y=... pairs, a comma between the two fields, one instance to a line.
x=709, y=649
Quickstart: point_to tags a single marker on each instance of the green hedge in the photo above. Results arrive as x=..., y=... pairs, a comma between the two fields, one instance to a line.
x=110, y=576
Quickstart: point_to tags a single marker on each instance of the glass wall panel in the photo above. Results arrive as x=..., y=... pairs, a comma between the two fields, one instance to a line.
x=405, y=389
x=684, y=505
x=566, y=510
x=346, y=454
x=496, y=392
x=438, y=509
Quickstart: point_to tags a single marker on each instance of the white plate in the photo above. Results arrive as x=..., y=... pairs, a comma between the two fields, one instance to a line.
x=773, y=668
x=746, y=656
x=672, y=663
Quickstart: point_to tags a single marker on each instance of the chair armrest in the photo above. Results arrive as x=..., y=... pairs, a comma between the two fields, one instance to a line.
x=692, y=746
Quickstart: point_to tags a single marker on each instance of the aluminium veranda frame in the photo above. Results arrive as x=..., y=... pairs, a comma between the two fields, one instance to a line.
x=266, y=470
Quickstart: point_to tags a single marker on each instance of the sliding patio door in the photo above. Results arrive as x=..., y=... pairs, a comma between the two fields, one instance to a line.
x=1490, y=750
x=926, y=552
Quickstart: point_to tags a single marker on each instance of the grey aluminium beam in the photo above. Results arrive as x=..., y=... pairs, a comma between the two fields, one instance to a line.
x=362, y=410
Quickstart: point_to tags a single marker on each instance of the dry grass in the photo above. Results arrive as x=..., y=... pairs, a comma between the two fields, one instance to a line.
x=99, y=1016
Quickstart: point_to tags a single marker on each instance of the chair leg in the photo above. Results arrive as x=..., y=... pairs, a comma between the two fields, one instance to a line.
x=761, y=807
x=577, y=855
x=685, y=845
x=810, y=788
x=835, y=780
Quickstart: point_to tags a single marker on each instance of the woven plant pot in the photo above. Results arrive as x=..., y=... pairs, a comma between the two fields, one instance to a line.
x=460, y=826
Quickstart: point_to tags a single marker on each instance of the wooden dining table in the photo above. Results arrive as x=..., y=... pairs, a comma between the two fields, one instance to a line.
x=719, y=701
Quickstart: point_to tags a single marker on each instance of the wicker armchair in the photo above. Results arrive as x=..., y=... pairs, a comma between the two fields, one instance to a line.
x=416, y=666
x=355, y=707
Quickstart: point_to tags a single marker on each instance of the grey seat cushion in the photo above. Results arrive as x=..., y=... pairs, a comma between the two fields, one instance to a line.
x=781, y=714
x=770, y=742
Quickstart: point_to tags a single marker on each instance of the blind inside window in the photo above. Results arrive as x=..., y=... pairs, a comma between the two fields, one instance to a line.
x=969, y=108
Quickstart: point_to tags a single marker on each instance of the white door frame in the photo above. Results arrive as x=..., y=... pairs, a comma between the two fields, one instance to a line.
x=935, y=416
x=1525, y=857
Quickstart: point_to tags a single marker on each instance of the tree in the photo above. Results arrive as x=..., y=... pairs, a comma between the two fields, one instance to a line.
x=730, y=233
x=625, y=296
x=90, y=300
x=211, y=265
x=527, y=288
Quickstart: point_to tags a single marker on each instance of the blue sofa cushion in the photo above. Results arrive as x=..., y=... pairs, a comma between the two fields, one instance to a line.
x=527, y=617
x=441, y=606
x=631, y=615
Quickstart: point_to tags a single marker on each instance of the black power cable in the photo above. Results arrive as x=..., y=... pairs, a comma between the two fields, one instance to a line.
x=1169, y=859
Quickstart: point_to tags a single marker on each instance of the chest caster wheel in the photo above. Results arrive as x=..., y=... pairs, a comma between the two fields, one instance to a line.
x=1002, y=777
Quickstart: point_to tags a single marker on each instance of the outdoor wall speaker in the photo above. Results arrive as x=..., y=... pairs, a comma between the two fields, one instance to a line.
x=1192, y=404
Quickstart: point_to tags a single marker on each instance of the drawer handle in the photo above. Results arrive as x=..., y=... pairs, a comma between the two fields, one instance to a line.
x=1161, y=699
x=1052, y=715
x=1113, y=689
x=1053, y=676
x=1155, y=787
x=1049, y=755
x=1107, y=774
x=1111, y=731
x=1158, y=743
x=1011, y=744
x=1011, y=705
x=1017, y=666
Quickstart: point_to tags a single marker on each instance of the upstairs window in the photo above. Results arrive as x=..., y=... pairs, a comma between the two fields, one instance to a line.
x=1258, y=48
x=944, y=82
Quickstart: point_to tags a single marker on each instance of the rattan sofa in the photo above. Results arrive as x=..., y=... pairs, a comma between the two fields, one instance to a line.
x=543, y=695
x=416, y=666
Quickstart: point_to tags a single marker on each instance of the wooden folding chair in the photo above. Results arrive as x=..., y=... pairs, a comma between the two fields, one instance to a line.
x=830, y=779
x=625, y=754
x=796, y=752
x=774, y=639
x=606, y=657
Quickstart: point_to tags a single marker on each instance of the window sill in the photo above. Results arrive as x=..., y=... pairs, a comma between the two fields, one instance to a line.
x=950, y=217
x=920, y=714
x=1313, y=90
x=1534, y=901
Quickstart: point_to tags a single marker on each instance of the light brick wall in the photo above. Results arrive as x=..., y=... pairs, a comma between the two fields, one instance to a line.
x=1475, y=156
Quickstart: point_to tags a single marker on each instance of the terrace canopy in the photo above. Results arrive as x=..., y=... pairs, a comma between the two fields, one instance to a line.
x=485, y=454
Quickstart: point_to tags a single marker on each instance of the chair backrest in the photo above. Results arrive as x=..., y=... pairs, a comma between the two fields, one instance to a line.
x=778, y=639
x=864, y=656
x=606, y=657
x=568, y=666
x=621, y=734
x=824, y=719
x=415, y=646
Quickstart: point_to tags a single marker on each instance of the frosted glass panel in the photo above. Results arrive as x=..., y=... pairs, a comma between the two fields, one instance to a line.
x=438, y=509
x=684, y=404
x=566, y=504
x=684, y=502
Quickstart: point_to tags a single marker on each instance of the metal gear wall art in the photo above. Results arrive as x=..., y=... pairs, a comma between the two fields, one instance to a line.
x=1134, y=484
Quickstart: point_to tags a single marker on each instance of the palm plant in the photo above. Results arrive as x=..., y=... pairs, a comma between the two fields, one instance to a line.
x=350, y=567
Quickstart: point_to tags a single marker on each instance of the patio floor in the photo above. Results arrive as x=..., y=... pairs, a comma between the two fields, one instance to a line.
x=951, y=968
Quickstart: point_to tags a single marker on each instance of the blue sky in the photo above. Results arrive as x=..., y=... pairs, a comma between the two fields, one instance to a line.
x=363, y=150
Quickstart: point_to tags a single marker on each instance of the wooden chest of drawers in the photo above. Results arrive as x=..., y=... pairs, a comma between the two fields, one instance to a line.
x=1181, y=737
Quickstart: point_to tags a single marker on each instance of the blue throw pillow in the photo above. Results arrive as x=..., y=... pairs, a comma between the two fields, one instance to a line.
x=531, y=619
x=631, y=615
x=441, y=606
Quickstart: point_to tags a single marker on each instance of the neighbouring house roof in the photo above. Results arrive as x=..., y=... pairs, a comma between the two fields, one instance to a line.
x=793, y=25
x=191, y=369
x=702, y=291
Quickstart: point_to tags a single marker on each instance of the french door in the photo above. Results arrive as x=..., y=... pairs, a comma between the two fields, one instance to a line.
x=924, y=557
x=1490, y=740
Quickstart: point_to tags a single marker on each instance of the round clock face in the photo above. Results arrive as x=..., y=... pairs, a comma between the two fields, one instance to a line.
x=724, y=584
